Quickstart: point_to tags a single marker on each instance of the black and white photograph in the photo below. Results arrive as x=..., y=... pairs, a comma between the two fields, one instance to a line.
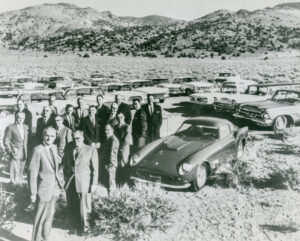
x=149, y=120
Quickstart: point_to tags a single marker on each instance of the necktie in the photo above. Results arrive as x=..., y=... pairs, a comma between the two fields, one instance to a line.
x=76, y=154
x=52, y=157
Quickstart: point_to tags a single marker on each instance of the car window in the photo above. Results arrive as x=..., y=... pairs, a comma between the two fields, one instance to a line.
x=39, y=97
x=224, y=131
x=198, y=131
x=70, y=93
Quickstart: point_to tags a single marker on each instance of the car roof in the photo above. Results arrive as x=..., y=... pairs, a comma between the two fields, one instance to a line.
x=276, y=84
x=208, y=121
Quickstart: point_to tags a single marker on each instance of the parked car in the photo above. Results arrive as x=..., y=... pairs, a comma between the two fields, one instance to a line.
x=138, y=83
x=206, y=99
x=225, y=76
x=159, y=94
x=189, y=156
x=280, y=112
x=256, y=92
x=56, y=82
x=199, y=87
x=159, y=81
x=111, y=87
x=83, y=91
x=97, y=79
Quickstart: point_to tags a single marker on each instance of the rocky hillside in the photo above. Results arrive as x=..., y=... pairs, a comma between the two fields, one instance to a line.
x=218, y=33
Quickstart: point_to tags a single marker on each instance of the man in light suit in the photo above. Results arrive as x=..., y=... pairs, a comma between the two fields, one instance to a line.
x=90, y=128
x=15, y=143
x=45, y=183
x=69, y=118
x=28, y=115
x=109, y=159
x=154, y=119
x=63, y=137
x=81, y=170
x=79, y=113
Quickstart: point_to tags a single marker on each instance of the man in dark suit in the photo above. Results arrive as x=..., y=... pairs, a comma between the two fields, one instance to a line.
x=90, y=128
x=45, y=183
x=15, y=143
x=154, y=119
x=109, y=159
x=28, y=116
x=43, y=122
x=53, y=108
x=124, y=108
x=79, y=113
x=102, y=115
x=139, y=126
x=69, y=118
x=81, y=170
x=63, y=137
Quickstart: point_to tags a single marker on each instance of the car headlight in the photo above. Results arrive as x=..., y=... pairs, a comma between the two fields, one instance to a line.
x=185, y=168
x=135, y=160
x=265, y=115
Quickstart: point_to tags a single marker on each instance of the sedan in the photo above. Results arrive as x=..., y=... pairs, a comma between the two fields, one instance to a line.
x=186, y=158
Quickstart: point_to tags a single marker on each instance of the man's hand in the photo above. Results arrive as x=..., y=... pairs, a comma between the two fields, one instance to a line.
x=33, y=198
x=93, y=188
x=97, y=145
x=93, y=144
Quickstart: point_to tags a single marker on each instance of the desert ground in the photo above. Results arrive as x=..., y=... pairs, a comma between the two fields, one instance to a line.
x=256, y=199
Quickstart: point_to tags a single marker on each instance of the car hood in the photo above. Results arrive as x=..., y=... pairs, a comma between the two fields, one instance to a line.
x=166, y=156
x=241, y=98
x=152, y=90
x=266, y=104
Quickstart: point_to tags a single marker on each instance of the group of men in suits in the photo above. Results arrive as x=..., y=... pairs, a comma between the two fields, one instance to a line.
x=77, y=150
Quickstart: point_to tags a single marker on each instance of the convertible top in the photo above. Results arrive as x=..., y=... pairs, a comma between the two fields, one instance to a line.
x=208, y=121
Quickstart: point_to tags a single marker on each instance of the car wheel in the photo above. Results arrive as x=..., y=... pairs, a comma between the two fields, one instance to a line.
x=240, y=150
x=200, y=178
x=280, y=123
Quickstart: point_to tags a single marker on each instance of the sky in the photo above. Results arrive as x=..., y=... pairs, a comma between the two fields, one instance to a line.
x=178, y=9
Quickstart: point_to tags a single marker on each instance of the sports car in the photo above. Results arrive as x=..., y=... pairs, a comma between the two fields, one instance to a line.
x=186, y=158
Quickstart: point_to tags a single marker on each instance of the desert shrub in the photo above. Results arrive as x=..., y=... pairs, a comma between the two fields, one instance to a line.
x=7, y=208
x=86, y=55
x=132, y=214
x=265, y=58
x=223, y=57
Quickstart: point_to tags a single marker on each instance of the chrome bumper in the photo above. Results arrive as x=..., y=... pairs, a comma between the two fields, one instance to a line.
x=264, y=123
x=183, y=186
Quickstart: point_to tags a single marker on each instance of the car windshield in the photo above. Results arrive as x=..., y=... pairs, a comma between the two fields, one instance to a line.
x=286, y=96
x=195, y=130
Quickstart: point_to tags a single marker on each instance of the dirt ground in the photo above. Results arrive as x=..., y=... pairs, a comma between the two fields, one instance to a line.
x=263, y=211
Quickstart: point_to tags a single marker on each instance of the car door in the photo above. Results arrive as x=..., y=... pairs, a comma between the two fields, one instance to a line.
x=227, y=142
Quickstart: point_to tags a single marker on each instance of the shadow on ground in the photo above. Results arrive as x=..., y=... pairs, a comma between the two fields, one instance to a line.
x=7, y=235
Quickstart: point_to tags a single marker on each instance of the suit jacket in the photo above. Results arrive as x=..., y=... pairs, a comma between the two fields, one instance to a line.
x=45, y=173
x=79, y=117
x=40, y=126
x=67, y=123
x=64, y=136
x=91, y=133
x=14, y=145
x=125, y=109
x=102, y=115
x=28, y=119
x=84, y=167
x=154, y=121
x=54, y=111
x=139, y=124
x=109, y=152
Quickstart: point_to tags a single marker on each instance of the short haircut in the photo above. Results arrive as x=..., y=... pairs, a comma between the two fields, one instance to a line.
x=78, y=132
x=50, y=128
x=68, y=106
x=19, y=113
x=60, y=116
x=136, y=99
x=47, y=107
x=100, y=95
x=109, y=125
x=114, y=104
x=20, y=100
x=92, y=106
x=52, y=95
x=121, y=113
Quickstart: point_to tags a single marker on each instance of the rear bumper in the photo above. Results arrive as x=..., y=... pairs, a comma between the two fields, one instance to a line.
x=182, y=186
x=264, y=123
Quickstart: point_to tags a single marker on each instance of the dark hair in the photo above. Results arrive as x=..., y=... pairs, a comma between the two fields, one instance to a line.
x=136, y=99
x=19, y=112
x=68, y=106
x=58, y=116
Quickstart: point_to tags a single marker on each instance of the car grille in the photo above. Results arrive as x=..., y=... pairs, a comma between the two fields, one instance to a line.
x=224, y=106
x=249, y=112
x=153, y=176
